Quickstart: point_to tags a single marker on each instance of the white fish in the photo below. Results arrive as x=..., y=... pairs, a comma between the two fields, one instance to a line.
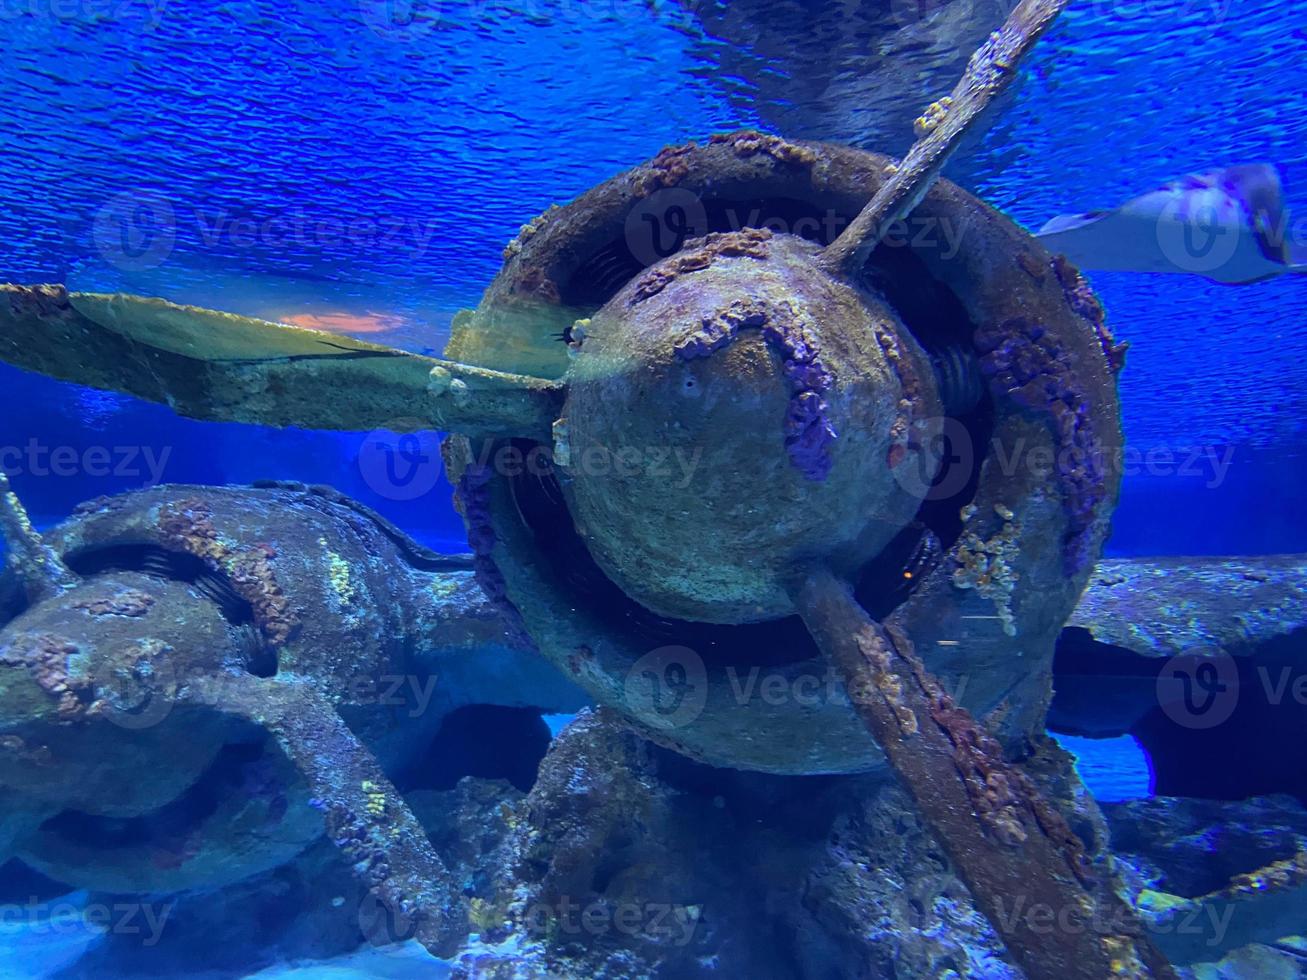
x=1230, y=226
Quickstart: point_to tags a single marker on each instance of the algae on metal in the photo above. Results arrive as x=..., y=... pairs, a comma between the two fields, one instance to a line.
x=1050, y=374
x=122, y=692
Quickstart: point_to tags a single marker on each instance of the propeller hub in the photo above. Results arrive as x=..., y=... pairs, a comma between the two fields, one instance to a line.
x=736, y=414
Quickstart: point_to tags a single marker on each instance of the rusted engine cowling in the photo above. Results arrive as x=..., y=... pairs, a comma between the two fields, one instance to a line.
x=1012, y=480
x=118, y=781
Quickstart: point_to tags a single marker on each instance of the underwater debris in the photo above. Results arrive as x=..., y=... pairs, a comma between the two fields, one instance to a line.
x=665, y=170
x=38, y=570
x=188, y=526
x=1002, y=837
x=1162, y=607
x=700, y=253
x=338, y=569
x=472, y=498
x=528, y=231
x=154, y=683
x=749, y=142
x=128, y=602
x=525, y=384
x=1082, y=299
x=1023, y=361
x=929, y=121
x=808, y=430
x=725, y=547
x=990, y=565
x=46, y=657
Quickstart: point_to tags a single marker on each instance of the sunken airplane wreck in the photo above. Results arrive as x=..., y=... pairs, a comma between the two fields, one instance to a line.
x=812, y=379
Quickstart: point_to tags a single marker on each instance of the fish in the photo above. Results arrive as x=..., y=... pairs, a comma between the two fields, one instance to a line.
x=344, y=323
x=1229, y=225
x=408, y=315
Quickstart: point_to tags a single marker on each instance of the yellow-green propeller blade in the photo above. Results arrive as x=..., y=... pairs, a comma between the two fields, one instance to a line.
x=219, y=366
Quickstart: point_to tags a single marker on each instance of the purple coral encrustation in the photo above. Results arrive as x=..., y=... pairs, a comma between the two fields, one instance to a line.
x=1025, y=362
x=1080, y=297
x=474, y=492
x=809, y=434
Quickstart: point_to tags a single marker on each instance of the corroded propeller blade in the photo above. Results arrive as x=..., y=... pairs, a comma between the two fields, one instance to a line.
x=941, y=130
x=222, y=367
x=40, y=572
x=365, y=815
x=1008, y=845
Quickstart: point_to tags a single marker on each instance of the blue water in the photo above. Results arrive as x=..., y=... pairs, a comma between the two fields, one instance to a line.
x=310, y=150
x=298, y=156
x=1113, y=769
